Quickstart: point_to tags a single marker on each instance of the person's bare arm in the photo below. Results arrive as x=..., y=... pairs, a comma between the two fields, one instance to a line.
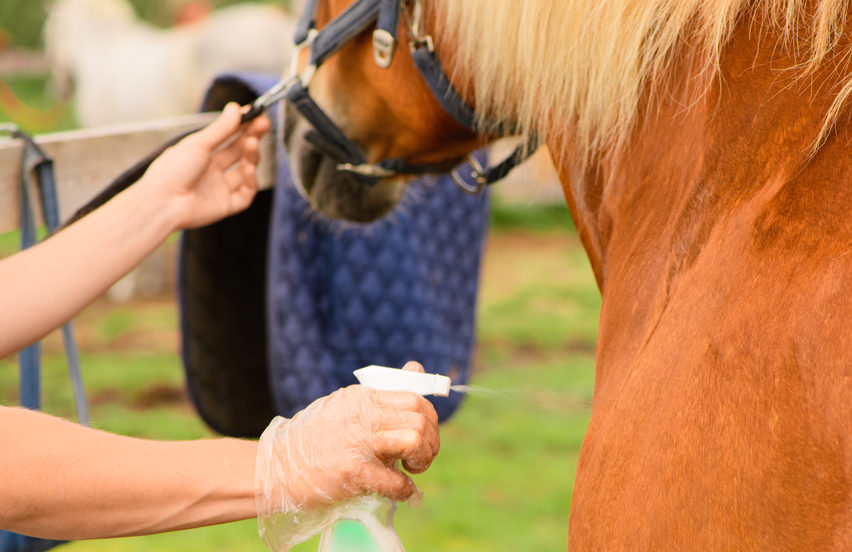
x=64, y=481
x=194, y=183
x=61, y=480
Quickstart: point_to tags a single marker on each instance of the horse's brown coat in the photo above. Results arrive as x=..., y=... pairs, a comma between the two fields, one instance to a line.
x=722, y=245
x=723, y=393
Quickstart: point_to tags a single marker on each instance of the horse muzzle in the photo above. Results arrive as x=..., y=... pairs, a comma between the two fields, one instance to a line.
x=331, y=192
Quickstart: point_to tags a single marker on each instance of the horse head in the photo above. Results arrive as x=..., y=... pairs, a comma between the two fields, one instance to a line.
x=380, y=123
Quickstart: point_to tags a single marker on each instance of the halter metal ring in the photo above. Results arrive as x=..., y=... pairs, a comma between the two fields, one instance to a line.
x=279, y=91
x=417, y=28
x=307, y=75
x=366, y=169
x=477, y=173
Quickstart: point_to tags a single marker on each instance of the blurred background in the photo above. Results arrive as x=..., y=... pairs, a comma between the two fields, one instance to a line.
x=22, y=20
x=504, y=476
x=36, y=74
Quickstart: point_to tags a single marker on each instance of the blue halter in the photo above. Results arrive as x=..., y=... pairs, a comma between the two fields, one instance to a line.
x=356, y=19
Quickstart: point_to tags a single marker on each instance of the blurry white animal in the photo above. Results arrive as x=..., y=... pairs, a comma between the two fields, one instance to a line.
x=123, y=69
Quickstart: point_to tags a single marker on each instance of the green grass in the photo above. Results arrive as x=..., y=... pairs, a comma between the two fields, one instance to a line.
x=10, y=242
x=551, y=286
x=22, y=20
x=547, y=217
x=33, y=88
x=504, y=476
x=43, y=113
x=563, y=316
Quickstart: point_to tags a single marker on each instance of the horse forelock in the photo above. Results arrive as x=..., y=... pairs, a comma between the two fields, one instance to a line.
x=588, y=63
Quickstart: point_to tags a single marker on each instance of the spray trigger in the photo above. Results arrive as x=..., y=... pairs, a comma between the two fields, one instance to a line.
x=395, y=379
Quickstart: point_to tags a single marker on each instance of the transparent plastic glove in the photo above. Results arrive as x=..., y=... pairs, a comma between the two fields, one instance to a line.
x=343, y=446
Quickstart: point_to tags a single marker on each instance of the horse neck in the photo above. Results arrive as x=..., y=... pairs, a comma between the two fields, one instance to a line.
x=727, y=174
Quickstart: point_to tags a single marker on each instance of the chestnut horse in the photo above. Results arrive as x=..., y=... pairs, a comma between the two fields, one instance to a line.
x=704, y=151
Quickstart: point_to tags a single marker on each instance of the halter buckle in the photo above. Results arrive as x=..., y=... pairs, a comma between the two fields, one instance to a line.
x=384, y=47
x=417, y=27
x=477, y=172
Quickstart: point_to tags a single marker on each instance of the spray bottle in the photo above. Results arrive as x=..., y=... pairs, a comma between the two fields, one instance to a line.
x=366, y=525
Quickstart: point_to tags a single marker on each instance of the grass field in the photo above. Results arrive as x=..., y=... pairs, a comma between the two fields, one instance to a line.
x=503, y=479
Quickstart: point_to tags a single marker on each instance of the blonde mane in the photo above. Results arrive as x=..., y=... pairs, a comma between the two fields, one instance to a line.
x=588, y=62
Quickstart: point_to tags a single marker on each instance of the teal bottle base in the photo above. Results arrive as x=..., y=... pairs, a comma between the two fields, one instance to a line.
x=349, y=535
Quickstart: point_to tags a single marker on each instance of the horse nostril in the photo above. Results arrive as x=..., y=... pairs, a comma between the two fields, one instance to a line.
x=309, y=166
x=338, y=195
x=305, y=160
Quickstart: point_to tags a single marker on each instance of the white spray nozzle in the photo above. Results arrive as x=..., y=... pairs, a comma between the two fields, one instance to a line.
x=394, y=379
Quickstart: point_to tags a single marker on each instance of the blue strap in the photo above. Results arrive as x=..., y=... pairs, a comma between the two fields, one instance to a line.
x=29, y=359
x=343, y=28
x=427, y=62
x=307, y=21
x=46, y=182
x=388, y=20
x=430, y=68
x=343, y=149
x=35, y=163
x=13, y=542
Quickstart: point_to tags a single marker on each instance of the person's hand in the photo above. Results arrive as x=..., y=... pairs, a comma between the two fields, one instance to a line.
x=211, y=173
x=343, y=446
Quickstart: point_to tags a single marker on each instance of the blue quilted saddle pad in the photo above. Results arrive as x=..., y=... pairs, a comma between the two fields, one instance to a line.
x=336, y=296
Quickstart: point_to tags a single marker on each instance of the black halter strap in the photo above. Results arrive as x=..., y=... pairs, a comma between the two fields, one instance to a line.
x=353, y=21
x=433, y=73
x=384, y=37
x=331, y=139
x=307, y=21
